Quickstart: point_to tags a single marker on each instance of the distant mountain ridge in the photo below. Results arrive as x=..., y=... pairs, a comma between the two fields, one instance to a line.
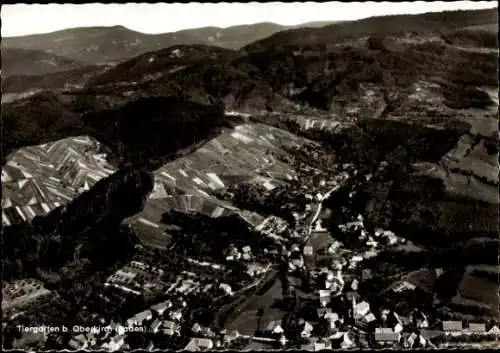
x=99, y=45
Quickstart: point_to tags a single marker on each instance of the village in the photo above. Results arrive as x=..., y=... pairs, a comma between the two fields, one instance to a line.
x=318, y=276
x=321, y=280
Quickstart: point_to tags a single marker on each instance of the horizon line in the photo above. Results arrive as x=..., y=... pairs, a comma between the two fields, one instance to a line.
x=289, y=26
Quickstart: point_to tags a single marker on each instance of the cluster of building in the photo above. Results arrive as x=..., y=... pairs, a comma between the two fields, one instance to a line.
x=134, y=277
x=460, y=328
x=234, y=254
x=272, y=226
x=22, y=292
x=137, y=277
x=164, y=318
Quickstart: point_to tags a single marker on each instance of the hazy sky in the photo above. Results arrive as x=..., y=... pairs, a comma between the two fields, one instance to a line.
x=159, y=18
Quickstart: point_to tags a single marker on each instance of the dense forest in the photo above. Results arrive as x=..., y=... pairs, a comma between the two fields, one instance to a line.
x=150, y=131
x=425, y=24
x=161, y=61
x=38, y=119
x=256, y=198
x=206, y=239
x=321, y=76
x=86, y=227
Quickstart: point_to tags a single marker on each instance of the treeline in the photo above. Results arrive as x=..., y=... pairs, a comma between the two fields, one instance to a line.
x=50, y=242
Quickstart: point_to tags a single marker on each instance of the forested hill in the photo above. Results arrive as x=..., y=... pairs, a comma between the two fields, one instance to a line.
x=432, y=23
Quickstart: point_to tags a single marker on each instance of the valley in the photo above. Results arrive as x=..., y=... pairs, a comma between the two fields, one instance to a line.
x=258, y=186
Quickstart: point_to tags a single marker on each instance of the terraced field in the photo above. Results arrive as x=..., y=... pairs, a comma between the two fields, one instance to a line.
x=186, y=184
x=38, y=179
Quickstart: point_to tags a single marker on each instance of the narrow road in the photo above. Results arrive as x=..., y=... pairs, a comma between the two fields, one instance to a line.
x=319, y=207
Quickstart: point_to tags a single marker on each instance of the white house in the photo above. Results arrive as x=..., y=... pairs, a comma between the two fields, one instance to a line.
x=114, y=344
x=78, y=342
x=413, y=339
x=332, y=317
x=199, y=344
x=356, y=258
x=175, y=315
x=155, y=326
x=403, y=286
x=347, y=341
x=231, y=336
x=477, y=328
x=387, y=335
x=139, y=318
x=226, y=288
x=369, y=318
x=370, y=254
x=275, y=327
x=315, y=346
x=307, y=330
x=494, y=331
x=361, y=309
x=452, y=327
x=171, y=328
x=196, y=328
